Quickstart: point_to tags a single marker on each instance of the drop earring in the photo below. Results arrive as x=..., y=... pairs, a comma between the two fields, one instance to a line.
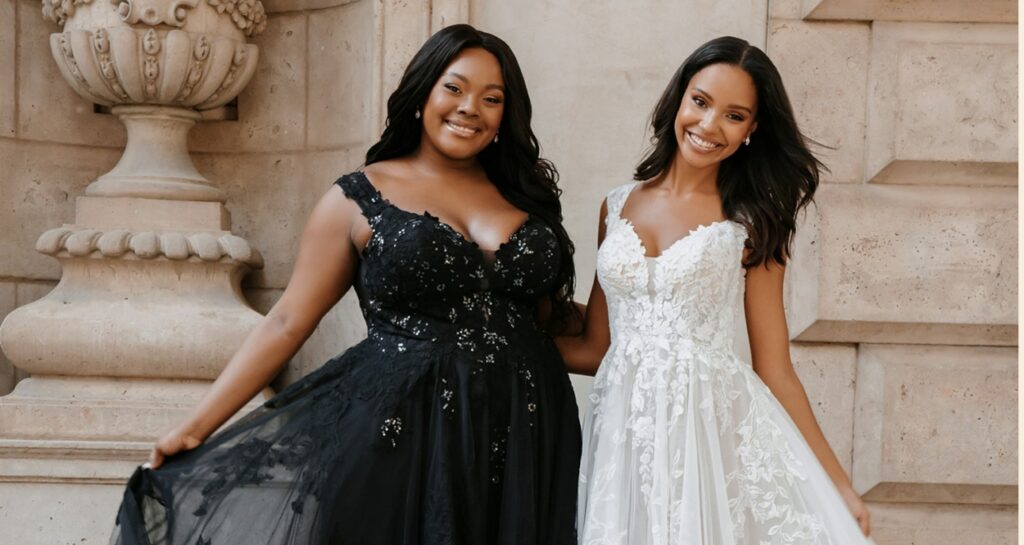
x=495, y=138
x=747, y=141
x=417, y=114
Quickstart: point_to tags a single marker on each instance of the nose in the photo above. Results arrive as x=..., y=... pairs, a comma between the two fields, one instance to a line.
x=468, y=106
x=708, y=121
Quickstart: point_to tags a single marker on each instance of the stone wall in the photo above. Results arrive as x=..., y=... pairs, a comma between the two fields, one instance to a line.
x=902, y=297
x=909, y=259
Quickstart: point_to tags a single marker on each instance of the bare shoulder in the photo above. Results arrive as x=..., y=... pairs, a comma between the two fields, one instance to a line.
x=334, y=210
x=387, y=173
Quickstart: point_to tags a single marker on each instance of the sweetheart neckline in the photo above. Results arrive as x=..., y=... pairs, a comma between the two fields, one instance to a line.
x=444, y=225
x=677, y=242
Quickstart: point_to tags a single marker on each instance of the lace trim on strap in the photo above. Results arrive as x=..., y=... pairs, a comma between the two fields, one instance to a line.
x=358, y=188
x=616, y=199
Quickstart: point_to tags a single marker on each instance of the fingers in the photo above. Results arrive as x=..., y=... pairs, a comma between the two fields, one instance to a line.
x=865, y=523
x=156, y=459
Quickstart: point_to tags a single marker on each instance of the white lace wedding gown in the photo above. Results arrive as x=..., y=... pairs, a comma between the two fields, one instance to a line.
x=683, y=444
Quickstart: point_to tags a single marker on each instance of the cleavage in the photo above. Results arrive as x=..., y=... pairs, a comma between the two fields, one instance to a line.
x=457, y=227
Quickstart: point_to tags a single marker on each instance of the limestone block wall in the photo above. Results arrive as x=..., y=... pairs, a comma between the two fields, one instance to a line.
x=910, y=255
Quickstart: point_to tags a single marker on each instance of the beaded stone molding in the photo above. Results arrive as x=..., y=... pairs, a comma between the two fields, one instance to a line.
x=209, y=247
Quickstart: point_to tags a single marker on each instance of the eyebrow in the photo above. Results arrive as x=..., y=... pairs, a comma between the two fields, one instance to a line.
x=737, y=106
x=466, y=81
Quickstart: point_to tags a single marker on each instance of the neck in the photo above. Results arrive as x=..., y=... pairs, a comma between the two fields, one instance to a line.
x=682, y=178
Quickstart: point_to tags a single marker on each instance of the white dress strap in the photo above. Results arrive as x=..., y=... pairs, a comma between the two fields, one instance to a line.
x=616, y=199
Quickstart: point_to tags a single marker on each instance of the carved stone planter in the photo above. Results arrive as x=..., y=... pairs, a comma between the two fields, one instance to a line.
x=185, y=55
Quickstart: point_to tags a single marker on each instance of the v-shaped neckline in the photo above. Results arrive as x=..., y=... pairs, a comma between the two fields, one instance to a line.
x=640, y=241
x=488, y=256
x=676, y=242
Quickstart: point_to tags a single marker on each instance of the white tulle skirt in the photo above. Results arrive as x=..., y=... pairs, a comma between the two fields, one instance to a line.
x=691, y=448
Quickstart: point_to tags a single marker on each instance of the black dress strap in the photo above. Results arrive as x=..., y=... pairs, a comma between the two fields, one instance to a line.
x=358, y=188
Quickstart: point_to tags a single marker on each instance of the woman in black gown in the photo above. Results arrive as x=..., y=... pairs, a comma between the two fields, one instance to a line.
x=454, y=421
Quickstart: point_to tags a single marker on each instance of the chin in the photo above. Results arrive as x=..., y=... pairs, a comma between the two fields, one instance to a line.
x=699, y=161
x=698, y=165
x=460, y=153
x=457, y=149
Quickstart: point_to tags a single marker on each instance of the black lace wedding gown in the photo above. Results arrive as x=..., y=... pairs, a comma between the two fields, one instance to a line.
x=453, y=422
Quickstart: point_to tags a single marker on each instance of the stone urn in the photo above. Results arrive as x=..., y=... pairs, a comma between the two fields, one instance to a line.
x=159, y=64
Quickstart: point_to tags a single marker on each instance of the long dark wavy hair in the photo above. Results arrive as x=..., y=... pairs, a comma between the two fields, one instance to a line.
x=764, y=185
x=513, y=164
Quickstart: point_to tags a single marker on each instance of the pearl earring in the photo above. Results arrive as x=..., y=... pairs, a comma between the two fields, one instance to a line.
x=495, y=138
x=417, y=114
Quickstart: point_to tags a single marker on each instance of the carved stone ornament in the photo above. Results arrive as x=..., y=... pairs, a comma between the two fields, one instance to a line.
x=59, y=11
x=248, y=15
x=155, y=12
x=156, y=64
x=134, y=66
x=176, y=246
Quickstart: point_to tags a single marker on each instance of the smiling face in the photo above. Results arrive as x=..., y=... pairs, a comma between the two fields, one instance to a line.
x=464, y=109
x=716, y=114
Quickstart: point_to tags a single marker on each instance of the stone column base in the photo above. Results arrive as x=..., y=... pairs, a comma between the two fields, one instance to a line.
x=69, y=447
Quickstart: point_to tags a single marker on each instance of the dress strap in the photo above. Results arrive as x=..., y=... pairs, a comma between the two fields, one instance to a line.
x=358, y=188
x=616, y=199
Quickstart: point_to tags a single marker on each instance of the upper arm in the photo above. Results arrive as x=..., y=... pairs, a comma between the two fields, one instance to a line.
x=325, y=266
x=596, y=319
x=766, y=319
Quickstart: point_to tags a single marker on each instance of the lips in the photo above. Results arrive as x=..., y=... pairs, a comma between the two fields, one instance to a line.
x=461, y=129
x=701, y=143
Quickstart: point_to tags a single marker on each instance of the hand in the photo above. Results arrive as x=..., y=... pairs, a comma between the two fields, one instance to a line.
x=172, y=443
x=857, y=509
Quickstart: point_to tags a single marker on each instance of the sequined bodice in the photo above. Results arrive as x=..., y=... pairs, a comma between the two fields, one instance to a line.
x=688, y=294
x=423, y=280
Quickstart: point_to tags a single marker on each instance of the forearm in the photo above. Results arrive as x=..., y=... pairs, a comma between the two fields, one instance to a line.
x=581, y=355
x=260, y=358
x=790, y=392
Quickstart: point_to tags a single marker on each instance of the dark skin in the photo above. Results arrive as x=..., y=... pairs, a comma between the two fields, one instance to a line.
x=460, y=118
x=717, y=113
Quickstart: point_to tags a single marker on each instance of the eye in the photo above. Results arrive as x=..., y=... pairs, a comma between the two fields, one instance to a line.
x=735, y=117
x=699, y=101
x=494, y=100
x=452, y=87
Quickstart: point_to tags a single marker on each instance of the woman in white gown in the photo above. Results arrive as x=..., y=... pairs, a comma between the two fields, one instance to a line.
x=684, y=443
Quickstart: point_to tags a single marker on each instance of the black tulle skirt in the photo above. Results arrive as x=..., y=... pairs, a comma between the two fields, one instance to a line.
x=397, y=441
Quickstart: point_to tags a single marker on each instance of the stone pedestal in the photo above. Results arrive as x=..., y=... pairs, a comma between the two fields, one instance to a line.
x=147, y=313
x=149, y=308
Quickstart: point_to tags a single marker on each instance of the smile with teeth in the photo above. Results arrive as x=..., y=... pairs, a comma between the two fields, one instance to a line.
x=461, y=130
x=701, y=143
